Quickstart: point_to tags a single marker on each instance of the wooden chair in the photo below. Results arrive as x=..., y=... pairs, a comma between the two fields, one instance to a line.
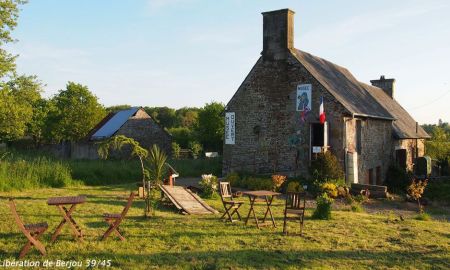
x=228, y=201
x=31, y=231
x=295, y=205
x=114, y=220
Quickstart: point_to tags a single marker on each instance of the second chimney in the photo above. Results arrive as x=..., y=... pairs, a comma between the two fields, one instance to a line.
x=386, y=84
x=278, y=34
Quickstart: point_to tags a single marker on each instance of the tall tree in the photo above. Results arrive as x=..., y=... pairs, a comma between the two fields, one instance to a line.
x=76, y=112
x=210, y=126
x=17, y=99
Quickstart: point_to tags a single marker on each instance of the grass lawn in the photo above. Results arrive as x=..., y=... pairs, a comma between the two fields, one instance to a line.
x=174, y=241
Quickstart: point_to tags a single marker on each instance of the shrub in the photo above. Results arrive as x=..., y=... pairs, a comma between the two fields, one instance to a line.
x=196, y=148
x=294, y=186
x=258, y=183
x=176, y=150
x=397, y=179
x=325, y=168
x=277, y=181
x=438, y=191
x=415, y=191
x=330, y=189
x=234, y=179
x=323, y=209
x=208, y=184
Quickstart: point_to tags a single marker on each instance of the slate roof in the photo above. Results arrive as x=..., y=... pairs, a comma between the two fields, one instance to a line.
x=358, y=98
x=112, y=123
x=404, y=125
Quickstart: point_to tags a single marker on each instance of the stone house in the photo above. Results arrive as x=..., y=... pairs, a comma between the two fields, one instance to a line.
x=134, y=123
x=272, y=121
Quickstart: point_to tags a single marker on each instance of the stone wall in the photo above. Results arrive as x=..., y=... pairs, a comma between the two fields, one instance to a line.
x=270, y=135
x=146, y=131
x=410, y=145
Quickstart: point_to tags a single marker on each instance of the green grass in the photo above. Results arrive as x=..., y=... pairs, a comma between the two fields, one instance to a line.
x=174, y=241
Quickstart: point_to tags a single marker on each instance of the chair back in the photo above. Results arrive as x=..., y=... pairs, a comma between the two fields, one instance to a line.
x=19, y=222
x=225, y=190
x=295, y=200
x=128, y=205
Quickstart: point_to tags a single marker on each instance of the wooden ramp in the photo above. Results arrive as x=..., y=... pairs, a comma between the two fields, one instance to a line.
x=187, y=201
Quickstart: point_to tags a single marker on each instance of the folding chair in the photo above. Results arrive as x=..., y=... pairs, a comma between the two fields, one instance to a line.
x=31, y=231
x=295, y=205
x=114, y=220
x=228, y=202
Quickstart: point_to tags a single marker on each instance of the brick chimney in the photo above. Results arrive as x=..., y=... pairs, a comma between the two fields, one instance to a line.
x=278, y=34
x=386, y=84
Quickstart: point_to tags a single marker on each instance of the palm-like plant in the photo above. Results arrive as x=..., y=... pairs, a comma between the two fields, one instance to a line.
x=157, y=160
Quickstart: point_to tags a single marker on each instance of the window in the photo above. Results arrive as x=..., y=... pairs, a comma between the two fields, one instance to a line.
x=358, y=136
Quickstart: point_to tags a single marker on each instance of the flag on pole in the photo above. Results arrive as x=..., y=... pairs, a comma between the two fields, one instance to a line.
x=321, y=111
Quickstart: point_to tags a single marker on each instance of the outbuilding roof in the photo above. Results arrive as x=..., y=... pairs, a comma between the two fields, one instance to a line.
x=359, y=98
x=112, y=123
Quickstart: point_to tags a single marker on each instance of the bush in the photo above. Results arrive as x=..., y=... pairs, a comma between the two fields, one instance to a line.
x=294, y=186
x=250, y=182
x=330, y=189
x=277, y=181
x=208, y=184
x=325, y=168
x=176, y=150
x=438, y=191
x=323, y=209
x=397, y=179
x=196, y=148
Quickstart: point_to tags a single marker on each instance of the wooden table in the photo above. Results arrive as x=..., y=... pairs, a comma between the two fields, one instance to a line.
x=61, y=203
x=268, y=196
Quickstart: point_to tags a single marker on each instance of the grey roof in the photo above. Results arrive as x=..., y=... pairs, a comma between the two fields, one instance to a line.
x=343, y=86
x=109, y=128
x=404, y=125
x=359, y=98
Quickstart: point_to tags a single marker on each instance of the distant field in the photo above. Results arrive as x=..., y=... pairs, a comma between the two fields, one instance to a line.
x=174, y=241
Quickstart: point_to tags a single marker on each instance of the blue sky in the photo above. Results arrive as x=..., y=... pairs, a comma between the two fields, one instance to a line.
x=188, y=52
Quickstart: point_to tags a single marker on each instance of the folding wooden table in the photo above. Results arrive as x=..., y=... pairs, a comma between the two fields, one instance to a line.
x=268, y=196
x=60, y=203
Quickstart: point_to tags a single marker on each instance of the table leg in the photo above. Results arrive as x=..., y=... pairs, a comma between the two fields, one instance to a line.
x=67, y=218
x=252, y=203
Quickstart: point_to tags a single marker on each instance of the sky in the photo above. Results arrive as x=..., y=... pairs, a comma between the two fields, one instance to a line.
x=180, y=53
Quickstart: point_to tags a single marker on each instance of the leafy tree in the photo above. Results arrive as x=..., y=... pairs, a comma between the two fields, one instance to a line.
x=187, y=117
x=163, y=115
x=182, y=135
x=210, y=126
x=37, y=127
x=176, y=150
x=17, y=98
x=196, y=148
x=9, y=13
x=76, y=112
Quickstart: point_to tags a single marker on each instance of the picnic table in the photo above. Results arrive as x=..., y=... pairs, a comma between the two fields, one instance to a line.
x=268, y=197
x=60, y=203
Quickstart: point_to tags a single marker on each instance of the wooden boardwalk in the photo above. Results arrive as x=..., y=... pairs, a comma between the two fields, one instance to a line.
x=187, y=201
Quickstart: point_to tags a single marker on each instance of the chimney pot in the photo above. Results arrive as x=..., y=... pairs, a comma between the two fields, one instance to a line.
x=278, y=34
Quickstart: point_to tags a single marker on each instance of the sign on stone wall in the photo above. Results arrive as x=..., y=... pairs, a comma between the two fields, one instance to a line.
x=230, y=131
x=304, y=97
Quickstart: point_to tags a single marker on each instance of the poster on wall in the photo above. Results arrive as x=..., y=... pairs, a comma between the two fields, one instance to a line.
x=230, y=132
x=304, y=97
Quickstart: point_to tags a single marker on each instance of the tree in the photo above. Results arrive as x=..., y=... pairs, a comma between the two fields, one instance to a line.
x=163, y=115
x=210, y=126
x=76, y=112
x=17, y=99
x=116, y=108
x=9, y=13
